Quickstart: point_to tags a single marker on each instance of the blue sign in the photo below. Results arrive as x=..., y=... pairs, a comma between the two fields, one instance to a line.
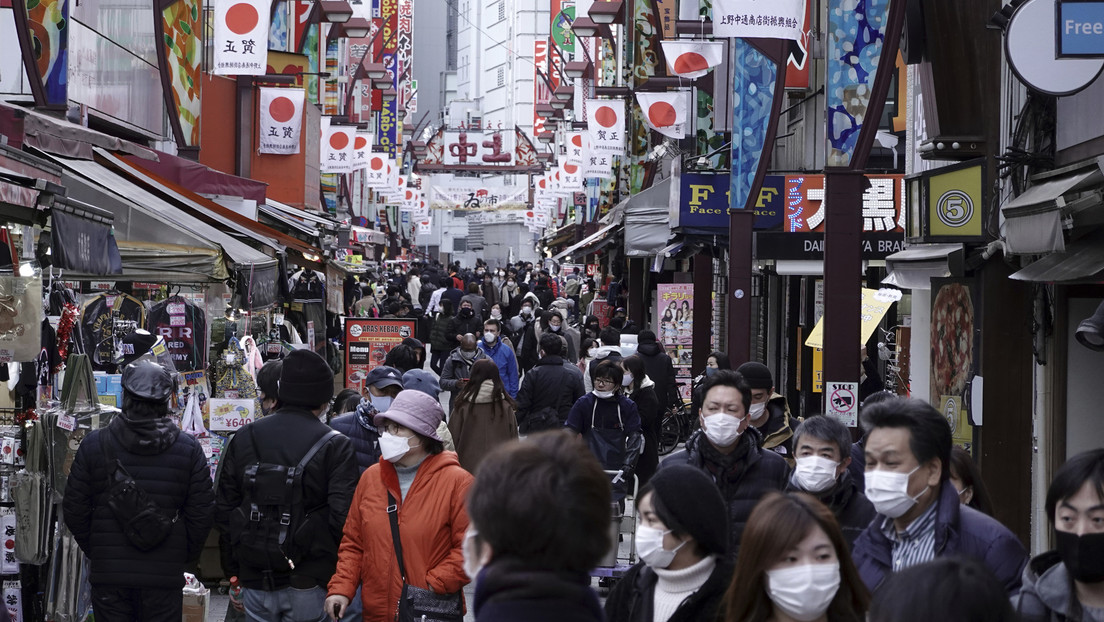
x=1080, y=29
x=704, y=203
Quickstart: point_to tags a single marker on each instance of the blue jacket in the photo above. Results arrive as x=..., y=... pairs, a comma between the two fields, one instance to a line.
x=959, y=530
x=357, y=425
x=503, y=356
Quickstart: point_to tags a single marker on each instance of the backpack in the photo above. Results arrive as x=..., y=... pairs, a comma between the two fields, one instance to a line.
x=143, y=522
x=271, y=512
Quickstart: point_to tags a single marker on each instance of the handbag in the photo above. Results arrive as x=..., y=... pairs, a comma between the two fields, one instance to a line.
x=417, y=604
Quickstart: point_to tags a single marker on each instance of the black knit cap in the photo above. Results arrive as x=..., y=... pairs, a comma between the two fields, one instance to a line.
x=693, y=500
x=758, y=375
x=268, y=379
x=305, y=380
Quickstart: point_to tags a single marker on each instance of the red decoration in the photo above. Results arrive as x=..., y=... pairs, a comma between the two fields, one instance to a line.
x=69, y=315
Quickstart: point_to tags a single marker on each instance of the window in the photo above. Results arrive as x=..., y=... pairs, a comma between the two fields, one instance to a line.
x=501, y=76
x=501, y=10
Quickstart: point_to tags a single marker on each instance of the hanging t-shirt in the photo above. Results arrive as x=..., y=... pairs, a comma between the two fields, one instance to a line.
x=97, y=326
x=183, y=324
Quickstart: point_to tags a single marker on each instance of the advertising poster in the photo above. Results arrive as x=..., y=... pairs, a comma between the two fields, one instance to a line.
x=953, y=354
x=367, y=342
x=675, y=328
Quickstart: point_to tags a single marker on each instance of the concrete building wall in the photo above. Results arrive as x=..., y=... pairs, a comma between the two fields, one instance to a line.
x=431, y=61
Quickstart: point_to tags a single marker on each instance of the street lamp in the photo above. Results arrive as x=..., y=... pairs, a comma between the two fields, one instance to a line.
x=375, y=71
x=607, y=11
x=586, y=27
x=546, y=137
x=357, y=28
x=563, y=93
x=388, y=94
x=336, y=11
x=558, y=104
x=578, y=69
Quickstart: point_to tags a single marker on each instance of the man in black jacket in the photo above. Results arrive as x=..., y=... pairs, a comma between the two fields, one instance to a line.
x=127, y=583
x=659, y=367
x=329, y=478
x=548, y=385
x=728, y=449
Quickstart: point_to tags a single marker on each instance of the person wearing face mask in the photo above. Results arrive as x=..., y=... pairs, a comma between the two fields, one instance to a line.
x=380, y=387
x=608, y=350
x=524, y=329
x=966, y=478
x=502, y=354
x=610, y=424
x=426, y=486
x=268, y=384
x=553, y=322
x=539, y=523
x=823, y=454
x=681, y=539
x=919, y=516
x=794, y=566
x=549, y=390
x=457, y=369
x=727, y=449
x=508, y=295
x=1068, y=583
x=478, y=302
x=466, y=321
x=769, y=412
x=716, y=361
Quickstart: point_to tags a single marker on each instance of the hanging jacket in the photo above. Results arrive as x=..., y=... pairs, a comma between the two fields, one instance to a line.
x=432, y=521
x=632, y=598
x=503, y=357
x=171, y=468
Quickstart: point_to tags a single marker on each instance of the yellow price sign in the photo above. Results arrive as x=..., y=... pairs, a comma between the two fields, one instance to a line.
x=875, y=304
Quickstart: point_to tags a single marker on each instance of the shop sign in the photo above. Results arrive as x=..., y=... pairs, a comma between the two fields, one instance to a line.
x=704, y=202
x=875, y=304
x=367, y=342
x=776, y=245
x=954, y=203
x=230, y=415
x=1080, y=29
x=882, y=203
x=592, y=269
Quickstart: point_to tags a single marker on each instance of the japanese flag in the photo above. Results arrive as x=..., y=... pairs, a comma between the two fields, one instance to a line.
x=571, y=177
x=376, y=173
x=425, y=225
x=281, y=120
x=240, y=39
x=362, y=149
x=606, y=125
x=576, y=145
x=337, y=149
x=666, y=113
x=692, y=59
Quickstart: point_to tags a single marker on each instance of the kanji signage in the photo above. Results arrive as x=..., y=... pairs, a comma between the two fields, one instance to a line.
x=606, y=125
x=769, y=19
x=883, y=203
x=481, y=149
x=240, y=39
x=478, y=147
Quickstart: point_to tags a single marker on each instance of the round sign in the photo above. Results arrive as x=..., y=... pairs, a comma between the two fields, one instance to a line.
x=954, y=208
x=1031, y=48
x=355, y=330
x=605, y=116
x=404, y=331
x=339, y=140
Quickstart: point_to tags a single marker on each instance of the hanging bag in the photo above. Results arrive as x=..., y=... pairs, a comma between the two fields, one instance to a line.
x=417, y=604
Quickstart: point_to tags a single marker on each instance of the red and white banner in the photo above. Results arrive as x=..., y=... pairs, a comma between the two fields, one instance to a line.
x=666, y=113
x=425, y=226
x=576, y=146
x=378, y=172
x=281, y=120
x=571, y=177
x=606, y=125
x=362, y=149
x=240, y=39
x=541, y=94
x=595, y=164
x=768, y=19
x=692, y=59
x=337, y=149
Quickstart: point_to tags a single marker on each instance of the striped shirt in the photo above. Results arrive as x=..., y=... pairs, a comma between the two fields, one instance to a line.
x=916, y=544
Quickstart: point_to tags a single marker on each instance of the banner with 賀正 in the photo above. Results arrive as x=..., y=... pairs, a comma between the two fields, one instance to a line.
x=240, y=39
x=281, y=120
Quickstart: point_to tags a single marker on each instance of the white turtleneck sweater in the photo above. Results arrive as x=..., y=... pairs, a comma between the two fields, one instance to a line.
x=675, y=586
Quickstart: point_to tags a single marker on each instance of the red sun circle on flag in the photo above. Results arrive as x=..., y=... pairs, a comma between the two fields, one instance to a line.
x=529, y=214
x=422, y=204
x=605, y=116
x=242, y=18
x=577, y=140
x=282, y=109
x=376, y=164
x=409, y=195
x=425, y=223
x=661, y=114
x=570, y=169
x=360, y=142
x=339, y=140
x=690, y=62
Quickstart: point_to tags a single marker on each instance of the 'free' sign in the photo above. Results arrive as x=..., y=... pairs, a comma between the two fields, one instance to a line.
x=1080, y=29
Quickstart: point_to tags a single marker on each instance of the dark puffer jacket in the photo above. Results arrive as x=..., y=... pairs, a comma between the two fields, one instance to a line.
x=509, y=590
x=661, y=370
x=362, y=432
x=632, y=599
x=171, y=468
x=959, y=530
x=743, y=476
x=551, y=384
x=853, y=511
x=284, y=437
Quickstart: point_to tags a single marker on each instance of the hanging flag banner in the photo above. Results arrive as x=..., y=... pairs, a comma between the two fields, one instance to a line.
x=576, y=143
x=767, y=19
x=606, y=125
x=362, y=149
x=596, y=165
x=571, y=177
x=240, y=40
x=473, y=194
x=337, y=149
x=692, y=59
x=425, y=225
x=666, y=113
x=281, y=118
x=377, y=172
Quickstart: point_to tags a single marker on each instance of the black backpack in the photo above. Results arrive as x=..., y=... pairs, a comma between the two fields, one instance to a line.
x=264, y=525
x=144, y=523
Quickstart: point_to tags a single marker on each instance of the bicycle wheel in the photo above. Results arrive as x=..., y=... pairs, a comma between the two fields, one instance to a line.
x=670, y=433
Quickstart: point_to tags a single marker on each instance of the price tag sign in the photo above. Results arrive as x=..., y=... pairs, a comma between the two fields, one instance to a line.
x=67, y=423
x=177, y=320
x=7, y=355
x=230, y=415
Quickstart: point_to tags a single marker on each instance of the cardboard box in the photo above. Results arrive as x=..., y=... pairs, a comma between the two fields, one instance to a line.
x=196, y=606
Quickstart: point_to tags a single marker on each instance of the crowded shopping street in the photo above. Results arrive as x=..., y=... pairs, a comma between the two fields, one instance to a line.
x=551, y=310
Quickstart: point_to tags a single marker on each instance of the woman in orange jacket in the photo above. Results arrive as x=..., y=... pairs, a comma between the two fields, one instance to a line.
x=429, y=487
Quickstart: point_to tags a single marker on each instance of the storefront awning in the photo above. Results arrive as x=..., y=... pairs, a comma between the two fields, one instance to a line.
x=1033, y=221
x=321, y=221
x=293, y=224
x=199, y=178
x=647, y=220
x=595, y=241
x=1081, y=262
x=916, y=266
x=360, y=235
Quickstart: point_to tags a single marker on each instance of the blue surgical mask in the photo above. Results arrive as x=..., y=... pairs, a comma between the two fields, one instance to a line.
x=709, y=371
x=381, y=402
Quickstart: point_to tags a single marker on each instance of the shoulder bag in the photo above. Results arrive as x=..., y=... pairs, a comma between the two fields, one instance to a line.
x=417, y=604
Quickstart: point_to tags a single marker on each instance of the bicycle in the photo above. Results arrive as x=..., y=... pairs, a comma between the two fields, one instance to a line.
x=676, y=427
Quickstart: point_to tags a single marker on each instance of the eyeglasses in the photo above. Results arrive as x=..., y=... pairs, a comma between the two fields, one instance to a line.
x=604, y=382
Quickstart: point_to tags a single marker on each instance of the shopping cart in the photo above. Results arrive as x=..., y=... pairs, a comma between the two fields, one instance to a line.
x=622, y=553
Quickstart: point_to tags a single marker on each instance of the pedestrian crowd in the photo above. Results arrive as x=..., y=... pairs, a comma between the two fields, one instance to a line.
x=380, y=506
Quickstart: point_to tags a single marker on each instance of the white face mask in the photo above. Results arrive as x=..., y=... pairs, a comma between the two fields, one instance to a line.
x=472, y=559
x=496, y=315
x=814, y=474
x=649, y=545
x=627, y=380
x=526, y=311
x=605, y=395
x=804, y=592
x=489, y=337
x=722, y=429
x=888, y=491
x=554, y=328
x=757, y=411
x=393, y=447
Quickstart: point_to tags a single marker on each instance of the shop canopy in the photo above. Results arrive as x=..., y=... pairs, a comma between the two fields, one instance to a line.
x=199, y=178
x=1081, y=262
x=593, y=242
x=157, y=241
x=647, y=220
x=916, y=266
x=1034, y=221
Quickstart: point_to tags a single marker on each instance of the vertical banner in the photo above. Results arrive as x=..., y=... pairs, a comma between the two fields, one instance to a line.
x=797, y=68
x=606, y=125
x=45, y=24
x=240, y=40
x=541, y=94
x=362, y=149
x=855, y=38
x=180, y=53
x=754, y=80
x=338, y=149
x=280, y=30
x=281, y=120
x=367, y=343
x=954, y=353
x=405, y=53
x=675, y=327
